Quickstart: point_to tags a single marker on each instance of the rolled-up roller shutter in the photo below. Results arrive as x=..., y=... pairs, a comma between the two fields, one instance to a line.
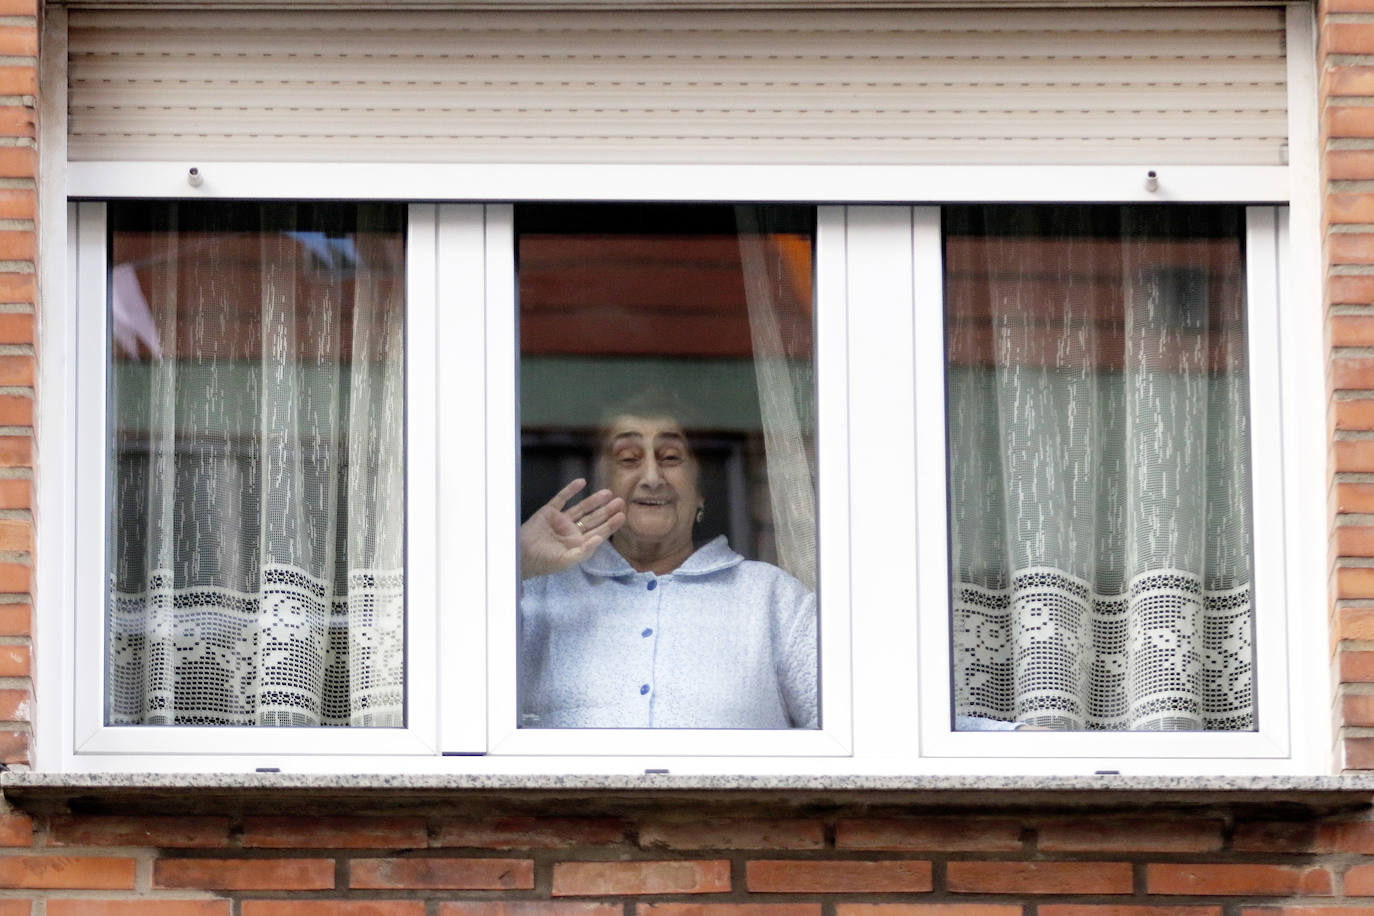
x=807, y=86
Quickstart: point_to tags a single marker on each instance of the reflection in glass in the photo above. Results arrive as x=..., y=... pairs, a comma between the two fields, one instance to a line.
x=1099, y=476
x=668, y=544
x=256, y=477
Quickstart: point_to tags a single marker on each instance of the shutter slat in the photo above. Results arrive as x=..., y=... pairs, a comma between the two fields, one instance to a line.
x=1049, y=86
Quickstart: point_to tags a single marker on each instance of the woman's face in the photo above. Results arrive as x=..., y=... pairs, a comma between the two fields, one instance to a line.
x=647, y=463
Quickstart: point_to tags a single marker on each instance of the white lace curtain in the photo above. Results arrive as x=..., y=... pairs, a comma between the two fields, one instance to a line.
x=257, y=422
x=780, y=328
x=1099, y=473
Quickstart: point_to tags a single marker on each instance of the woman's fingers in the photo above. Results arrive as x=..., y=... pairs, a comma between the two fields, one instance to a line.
x=561, y=498
x=592, y=521
x=593, y=502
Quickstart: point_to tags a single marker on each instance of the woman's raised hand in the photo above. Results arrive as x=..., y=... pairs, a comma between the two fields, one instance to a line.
x=555, y=537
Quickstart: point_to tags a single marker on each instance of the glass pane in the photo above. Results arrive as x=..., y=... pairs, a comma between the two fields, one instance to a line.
x=256, y=474
x=667, y=396
x=1099, y=472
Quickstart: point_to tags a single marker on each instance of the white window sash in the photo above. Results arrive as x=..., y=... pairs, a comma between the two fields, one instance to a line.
x=833, y=738
x=1277, y=609
x=89, y=355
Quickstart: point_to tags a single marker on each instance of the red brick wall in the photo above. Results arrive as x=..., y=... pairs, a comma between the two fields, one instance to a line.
x=669, y=860
x=666, y=859
x=18, y=250
x=1347, y=124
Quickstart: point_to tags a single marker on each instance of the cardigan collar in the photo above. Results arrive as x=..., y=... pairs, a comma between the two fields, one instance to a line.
x=713, y=556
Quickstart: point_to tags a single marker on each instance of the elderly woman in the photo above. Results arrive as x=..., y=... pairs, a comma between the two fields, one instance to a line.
x=626, y=623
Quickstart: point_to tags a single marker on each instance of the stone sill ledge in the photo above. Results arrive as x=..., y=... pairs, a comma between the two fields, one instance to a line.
x=548, y=794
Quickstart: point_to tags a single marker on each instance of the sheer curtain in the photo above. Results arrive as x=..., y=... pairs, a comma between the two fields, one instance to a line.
x=1099, y=473
x=257, y=424
x=776, y=261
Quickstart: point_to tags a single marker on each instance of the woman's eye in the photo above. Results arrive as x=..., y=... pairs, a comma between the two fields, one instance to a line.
x=627, y=459
x=671, y=458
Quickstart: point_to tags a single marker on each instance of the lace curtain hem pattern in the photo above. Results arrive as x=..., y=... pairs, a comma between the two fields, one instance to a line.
x=1167, y=655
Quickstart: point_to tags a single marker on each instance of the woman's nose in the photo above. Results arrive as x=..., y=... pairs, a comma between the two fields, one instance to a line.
x=650, y=476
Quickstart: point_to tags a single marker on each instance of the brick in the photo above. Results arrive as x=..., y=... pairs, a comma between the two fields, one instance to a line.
x=1277, y=880
x=16, y=493
x=18, y=121
x=14, y=660
x=161, y=832
x=1357, y=709
x=1274, y=837
x=14, y=578
x=1350, y=290
x=531, y=833
x=728, y=909
x=929, y=833
x=18, y=7
x=14, y=747
x=335, y=832
x=581, y=879
x=1348, y=165
x=16, y=535
x=140, y=907
x=1355, y=582
x=245, y=874
x=333, y=908
x=1354, y=666
x=1349, y=6
x=17, y=161
x=16, y=370
x=802, y=876
x=1345, y=836
x=1349, y=208
x=1356, y=753
x=1092, y=909
x=1357, y=415
x=1039, y=877
x=1349, y=81
x=1349, y=248
x=15, y=907
x=16, y=410
x=448, y=874
x=731, y=833
x=1355, y=623
x=16, y=830
x=531, y=908
x=1130, y=834
x=15, y=705
x=928, y=909
x=16, y=327
x=16, y=451
x=18, y=41
x=16, y=620
x=1348, y=38
x=1359, y=881
x=18, y=81
x=15, y=289
x=67, y=872
x=1305, y=911
x=1350, y=121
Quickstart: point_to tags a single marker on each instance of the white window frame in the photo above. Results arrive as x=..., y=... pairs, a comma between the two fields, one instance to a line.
x=894, y=492
x=90, y=348
x=880, y=366
x=1266, y=244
